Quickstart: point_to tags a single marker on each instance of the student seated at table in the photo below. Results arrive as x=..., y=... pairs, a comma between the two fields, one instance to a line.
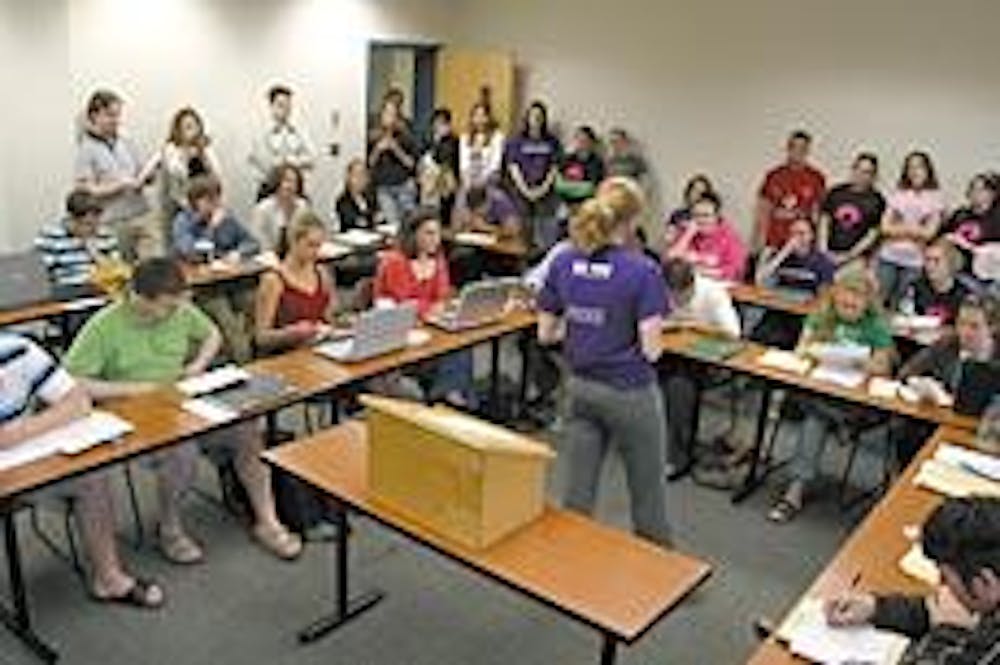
x=938, y=291
x=975, y=338
x=797, y=266
x=490, y=209
x=851, y=214
x=960, y=623
x=850, y=313
x=705, y=305
x=357, y=207
x=912, y=219
x=710, y=242
x=606, y=303
x=975, y=228
x=272, y=214
x=581, y=169
x=417, y=271
x=208, y=232
x=147, y=341
x=296, y=302
x=37, y=396
x=73, y=248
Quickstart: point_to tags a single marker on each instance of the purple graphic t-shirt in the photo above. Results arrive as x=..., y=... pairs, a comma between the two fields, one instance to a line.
x=603, y=297
x=535, y=157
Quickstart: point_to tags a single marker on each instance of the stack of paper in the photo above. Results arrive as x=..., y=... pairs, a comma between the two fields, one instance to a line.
x=959, y=473
x=97, y=428
x=916, y=564
x=846, y=377
x=358, y=238
x=476, y=238
x=808, y=635
x=785, y=361
x=210, y=382
x=209, y=410
x=331, y=250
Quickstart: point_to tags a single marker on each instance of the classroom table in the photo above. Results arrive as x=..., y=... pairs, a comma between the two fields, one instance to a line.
x=874, y=549
x=746, y=361
x=605, y=578
x=161, y=422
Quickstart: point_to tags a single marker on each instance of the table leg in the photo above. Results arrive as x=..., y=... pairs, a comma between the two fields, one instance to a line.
x=495, y=378
x=18, y=619
x=609, y=652
x=751, y=482
x=347, y=608
x=522, y=388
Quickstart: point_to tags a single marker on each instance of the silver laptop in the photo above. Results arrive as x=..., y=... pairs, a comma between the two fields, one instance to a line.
x=478, y=304
x=378, y=331
x=25, y=280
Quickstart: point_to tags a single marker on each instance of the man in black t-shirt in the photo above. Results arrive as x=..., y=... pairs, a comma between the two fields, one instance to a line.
x=851, y=214
x=938, y=292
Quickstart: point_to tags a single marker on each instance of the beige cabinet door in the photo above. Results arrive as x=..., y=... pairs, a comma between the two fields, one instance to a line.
x=466, y=76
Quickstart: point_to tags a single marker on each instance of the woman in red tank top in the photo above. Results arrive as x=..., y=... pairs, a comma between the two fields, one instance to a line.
x=296, y=301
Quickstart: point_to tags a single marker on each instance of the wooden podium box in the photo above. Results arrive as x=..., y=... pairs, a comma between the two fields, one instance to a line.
x=467, y=480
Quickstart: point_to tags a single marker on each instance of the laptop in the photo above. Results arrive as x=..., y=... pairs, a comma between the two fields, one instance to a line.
x=377, y=331
x=979, y=384
x=478, y=304
x=25, y=280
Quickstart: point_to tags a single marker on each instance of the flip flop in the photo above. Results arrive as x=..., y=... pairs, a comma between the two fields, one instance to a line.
x=180, y=549
x=137, y=596
x=280, y=542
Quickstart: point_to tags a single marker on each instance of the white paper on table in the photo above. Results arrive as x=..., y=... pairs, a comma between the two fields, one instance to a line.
x=213, y=412
x=358, y=238
x=217, y=379
x=840, y=355
x=268, y=259
x=82, y=304
x=947, y=480
x=388, y=229
x=92, y=430
x=417, y=337
x=969, y=460
x=879, y=386
x=784, y=360
x=331, y=250
x=916, y=564
x=916, y=322
x=846, y=377
x=808, y=635
x=477, y=238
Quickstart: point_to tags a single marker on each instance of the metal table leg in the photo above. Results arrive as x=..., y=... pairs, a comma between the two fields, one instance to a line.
x=18, y=618
x=751, y=482
x=609, y=652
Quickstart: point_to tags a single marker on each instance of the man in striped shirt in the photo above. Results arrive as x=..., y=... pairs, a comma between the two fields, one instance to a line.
x=71, y=248
x=36, y=396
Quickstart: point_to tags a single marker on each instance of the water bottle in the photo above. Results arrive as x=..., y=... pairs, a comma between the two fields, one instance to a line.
x=908, y=305
x=988, y=434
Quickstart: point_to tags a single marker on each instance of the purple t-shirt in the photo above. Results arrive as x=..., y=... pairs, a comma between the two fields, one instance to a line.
x=500, y=207
x=535, y=157
x=603, y=297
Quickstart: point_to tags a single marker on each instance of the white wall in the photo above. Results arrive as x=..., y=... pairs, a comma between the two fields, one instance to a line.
x=715, y=85
x=218, y=55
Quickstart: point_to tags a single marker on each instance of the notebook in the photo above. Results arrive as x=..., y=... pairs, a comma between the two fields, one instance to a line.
x=96, y=428
x=809, y=636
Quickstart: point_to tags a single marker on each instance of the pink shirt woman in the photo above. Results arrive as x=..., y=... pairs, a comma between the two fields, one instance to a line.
x=710, y=242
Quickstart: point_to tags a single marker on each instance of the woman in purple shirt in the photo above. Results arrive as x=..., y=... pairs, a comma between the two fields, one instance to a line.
x=606, y=302
x=531, y=165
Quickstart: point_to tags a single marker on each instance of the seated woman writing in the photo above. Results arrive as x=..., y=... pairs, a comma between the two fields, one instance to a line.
x=849, y=314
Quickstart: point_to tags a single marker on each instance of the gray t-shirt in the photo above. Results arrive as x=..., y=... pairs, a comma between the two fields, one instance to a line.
x=101, y=161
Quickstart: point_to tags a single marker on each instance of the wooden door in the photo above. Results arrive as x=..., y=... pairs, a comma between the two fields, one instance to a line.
x=466, y=76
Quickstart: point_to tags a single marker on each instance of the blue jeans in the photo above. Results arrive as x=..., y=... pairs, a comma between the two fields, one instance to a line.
x=453, y=373
x=894, y=280
x=396, y=201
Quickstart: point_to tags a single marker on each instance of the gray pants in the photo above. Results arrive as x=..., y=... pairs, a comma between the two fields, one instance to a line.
x=681, y=394
x=600, y=414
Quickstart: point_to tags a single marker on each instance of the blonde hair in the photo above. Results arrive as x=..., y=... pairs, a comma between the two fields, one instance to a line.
x=301, y=224
x=619, y=200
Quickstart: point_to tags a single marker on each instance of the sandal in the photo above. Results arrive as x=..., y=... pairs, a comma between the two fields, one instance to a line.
x=279, y=541
x=144, y=594
x=783, y=511
x=180, y=548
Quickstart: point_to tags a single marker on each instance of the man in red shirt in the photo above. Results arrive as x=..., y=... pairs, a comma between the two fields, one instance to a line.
x=791, y=191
